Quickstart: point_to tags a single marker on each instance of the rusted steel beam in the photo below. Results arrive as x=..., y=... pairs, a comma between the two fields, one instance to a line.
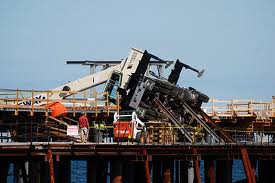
x=62, y=169
x=183, y=173
x=91, y=170
x=156, y=170
x=209, y=171
x=197, y=171
x=224, y=171
x=247, y=166
x=225, y=136
x=172, y=170
x=147, y=172
x=101, y=170
x=254, y=166
x=136, y=171
x=147, y=168
x=166, y=171
x=196, y=167
x=22, y=166
x=266, y=171
x=177, y=168
x=51, y=167
x=116, y=171
x=4, y=170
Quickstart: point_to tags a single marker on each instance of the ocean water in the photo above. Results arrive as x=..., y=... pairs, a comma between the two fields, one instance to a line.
x=79, y=169
x=238, y=172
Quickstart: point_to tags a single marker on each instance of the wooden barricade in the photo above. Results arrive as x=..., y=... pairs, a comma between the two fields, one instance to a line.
x=161, y=132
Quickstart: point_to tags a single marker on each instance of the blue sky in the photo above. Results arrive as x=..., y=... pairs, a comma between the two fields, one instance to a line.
x=233, y=40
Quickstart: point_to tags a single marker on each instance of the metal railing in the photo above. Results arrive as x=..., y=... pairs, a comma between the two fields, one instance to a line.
x=240, y=108
x=39, y=100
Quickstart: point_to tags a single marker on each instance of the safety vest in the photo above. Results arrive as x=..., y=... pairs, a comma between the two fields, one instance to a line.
x=99, y=125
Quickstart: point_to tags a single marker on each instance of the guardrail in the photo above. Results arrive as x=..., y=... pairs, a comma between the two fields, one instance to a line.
x=240, y=108
x=39, y=100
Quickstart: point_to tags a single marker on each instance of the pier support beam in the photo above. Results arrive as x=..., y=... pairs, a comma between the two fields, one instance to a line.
x=147, y=167
x=209, y=171
x=254, y=166
x=116, y=171
x=44, y=171
x=177, y=171
x=97, y=170
x=190, y=170
x=224, y=171
x=91, y=171
x=250, y=176
x=4, y=170
x=101, y=170
x=266, y=171
x=197, y=177
x=21, y=171
x=156, y=170
x=147, y=171
x=172, y=170
x=62, y=170
x=196, y=165
x=137, y=172
x=51, y=166
x=166, y=171
x=125, y=171
x=183, y=170
x=35, y=171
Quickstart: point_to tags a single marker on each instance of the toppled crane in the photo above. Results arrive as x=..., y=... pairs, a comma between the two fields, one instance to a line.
x=155, y=98
x=146, y=96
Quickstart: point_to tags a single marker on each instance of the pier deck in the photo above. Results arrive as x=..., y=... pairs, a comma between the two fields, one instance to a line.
x=132, y=150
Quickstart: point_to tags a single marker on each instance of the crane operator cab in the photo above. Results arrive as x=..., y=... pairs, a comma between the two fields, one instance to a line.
x=113, y=84
x=127, y=126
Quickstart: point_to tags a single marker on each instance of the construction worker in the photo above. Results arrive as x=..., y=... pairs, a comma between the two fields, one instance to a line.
x=99, y=125
x=99, y=128
x=102, y=125
x=83, y=127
